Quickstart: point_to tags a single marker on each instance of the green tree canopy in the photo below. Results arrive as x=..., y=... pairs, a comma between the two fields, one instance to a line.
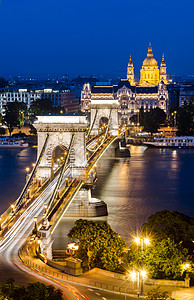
x=152, y=119
x=156, y=294
x=161, y=259
x=42, y=107
x=165, y=259
x=99, y=245
x=173, y=225
x=14, y=114
x=34, y=291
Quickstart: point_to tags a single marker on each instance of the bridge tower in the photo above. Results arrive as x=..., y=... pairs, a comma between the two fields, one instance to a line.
x=104, y=108
x=57, y=131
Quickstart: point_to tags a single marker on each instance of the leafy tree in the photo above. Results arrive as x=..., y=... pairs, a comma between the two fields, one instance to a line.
x=173, y=225
x=152, y=120
x=185, y=119
x=42, y=107
x=162, y=260
x=34, y=291
x=165, y=259
x=155, y=294
x=13, y=112
x=99, y=245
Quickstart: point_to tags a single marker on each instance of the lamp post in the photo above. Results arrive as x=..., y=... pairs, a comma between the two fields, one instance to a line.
x=35, y=226
x=72, y=247
x=45, y=208
x=136, y=276
x=175, y=118
x=12, y=208
x=141, y=242
x=186, y=267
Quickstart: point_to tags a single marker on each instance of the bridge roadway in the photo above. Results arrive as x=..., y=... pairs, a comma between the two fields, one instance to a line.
x=19, y=230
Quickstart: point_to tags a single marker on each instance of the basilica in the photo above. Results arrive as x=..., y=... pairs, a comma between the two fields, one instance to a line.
x=150, y=92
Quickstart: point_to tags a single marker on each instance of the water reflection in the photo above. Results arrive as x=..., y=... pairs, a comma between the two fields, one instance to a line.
x=133, y=188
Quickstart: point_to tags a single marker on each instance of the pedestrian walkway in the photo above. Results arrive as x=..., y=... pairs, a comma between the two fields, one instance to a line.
x=96, y=279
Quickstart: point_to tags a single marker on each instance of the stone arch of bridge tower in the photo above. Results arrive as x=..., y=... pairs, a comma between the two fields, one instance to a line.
x=53, y=143
x=60, y=130
x=103, y=120
x=104, y=110
x=59, y=153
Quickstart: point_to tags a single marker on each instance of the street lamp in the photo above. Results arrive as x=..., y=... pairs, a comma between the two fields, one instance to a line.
x=0, y=223
x=135, y=276
x=12, y=208
x=141, y=242
x=72, y=247
x=35, y=226
x=45, y=208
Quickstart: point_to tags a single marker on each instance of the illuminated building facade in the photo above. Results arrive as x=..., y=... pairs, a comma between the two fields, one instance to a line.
x=59, y=97
x=149, y=93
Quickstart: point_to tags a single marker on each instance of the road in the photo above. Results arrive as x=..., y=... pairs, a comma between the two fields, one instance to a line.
x=11, y=266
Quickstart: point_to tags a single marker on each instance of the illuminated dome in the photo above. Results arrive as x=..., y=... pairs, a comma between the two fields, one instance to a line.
x=150, y=60
x=149, y=73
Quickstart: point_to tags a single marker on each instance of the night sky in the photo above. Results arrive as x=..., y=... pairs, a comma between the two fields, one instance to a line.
x=94, y=37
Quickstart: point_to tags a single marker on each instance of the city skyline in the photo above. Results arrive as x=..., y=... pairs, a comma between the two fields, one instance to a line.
x=94, y=38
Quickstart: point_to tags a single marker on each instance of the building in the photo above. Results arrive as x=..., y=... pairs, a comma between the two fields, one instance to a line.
x=59, y=97
x=150, y=92
x=186, y=94
x=70, y=103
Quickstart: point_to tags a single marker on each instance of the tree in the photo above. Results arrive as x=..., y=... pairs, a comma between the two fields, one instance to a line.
x=152, y=120
x=99, y=245
x=162, y=259
x=155, y=294
x=165, y=259
x=173, y=225
x=14, y=113
x=185, y=119
x=42, y=107
x=34, y=291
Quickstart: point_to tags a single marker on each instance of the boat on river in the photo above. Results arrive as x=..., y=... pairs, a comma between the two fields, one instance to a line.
x=172, y=142
x=9, y=142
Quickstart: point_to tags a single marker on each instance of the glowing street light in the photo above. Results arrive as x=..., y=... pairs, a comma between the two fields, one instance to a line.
x=135, y=276
x=141, y=242
x=12, y=208
x=185, y=266
x=45, y=208
x=35, y=226
x=72, y=247
x=27, y=169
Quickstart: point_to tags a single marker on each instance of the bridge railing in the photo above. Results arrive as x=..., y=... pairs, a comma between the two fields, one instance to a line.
x=24, y=191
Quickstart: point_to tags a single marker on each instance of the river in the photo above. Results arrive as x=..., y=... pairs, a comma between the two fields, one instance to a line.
x=133, y=188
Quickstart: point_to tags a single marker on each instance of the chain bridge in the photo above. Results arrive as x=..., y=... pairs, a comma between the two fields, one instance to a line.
x=65, y=170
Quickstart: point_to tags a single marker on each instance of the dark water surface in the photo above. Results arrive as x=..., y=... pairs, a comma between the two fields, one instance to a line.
x=133, y=188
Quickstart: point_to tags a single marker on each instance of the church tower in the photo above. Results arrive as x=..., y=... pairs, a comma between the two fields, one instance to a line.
x=149, y=74
x=163, y=75
x=130, y=72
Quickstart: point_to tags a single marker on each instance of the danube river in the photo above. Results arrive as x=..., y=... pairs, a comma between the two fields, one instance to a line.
x=133, y=188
